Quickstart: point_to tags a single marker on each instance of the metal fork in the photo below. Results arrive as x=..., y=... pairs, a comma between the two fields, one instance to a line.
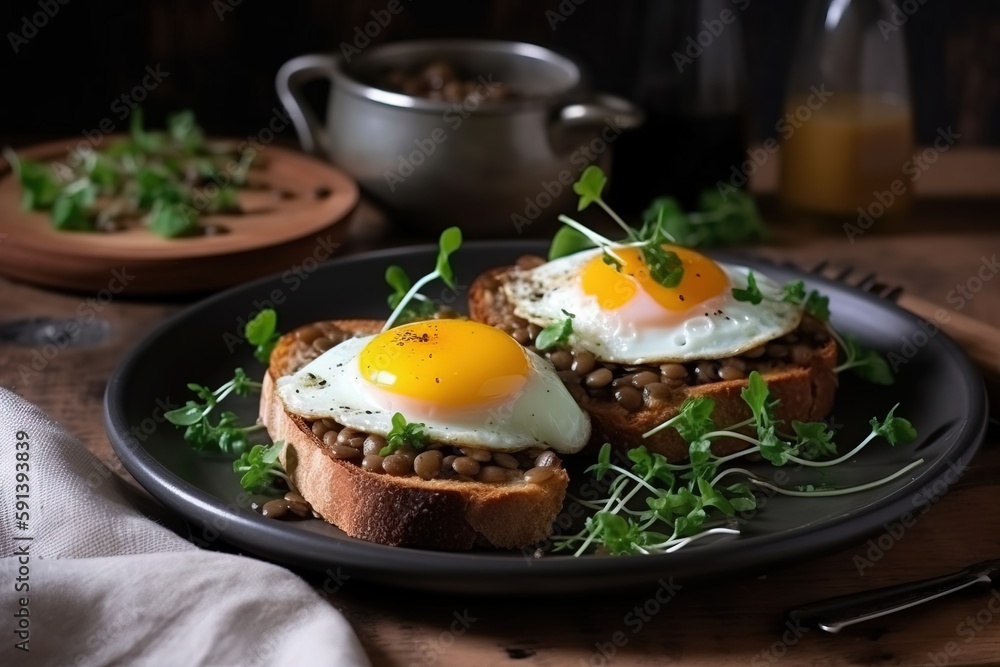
x=834, y=614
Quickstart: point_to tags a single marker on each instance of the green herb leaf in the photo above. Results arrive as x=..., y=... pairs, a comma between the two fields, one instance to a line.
x=403, y=434
x=557, y=333
x=185, y=416
x=665, y=219
x=703, y=465
x=710, y=497
x=226, y=436
x=203, y=392
x=741, y=497
x=866, y=363
x=142, y=140
x=610, y=260
x=665, y=267
x=261, y=331
x=101, y=171
x=818, y=306
x=418, y=309
x=651, y=466
x=619, y=535
x=259, y=467
x=730, y=219
x=813, y=303
x=171, y=220
x=568, y=241
x=751, y=293
x=773, y=448
x=668, y=506
x=896, y=430
x=450, y=241
x=39, y=186
x=814, y=440
x=71, y=212
x=795, y=292
x=694, y=419
x=758, y=397
x=603, y=465
x=589, y=186
x=720, y=221
x=185, y=131
x=227, y=200
x=397, y=279
x=691, y=524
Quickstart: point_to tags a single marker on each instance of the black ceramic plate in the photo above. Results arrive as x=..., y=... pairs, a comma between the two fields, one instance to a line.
x=937, y=389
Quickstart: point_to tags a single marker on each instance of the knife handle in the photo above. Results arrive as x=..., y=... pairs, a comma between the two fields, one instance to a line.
x=834, y=614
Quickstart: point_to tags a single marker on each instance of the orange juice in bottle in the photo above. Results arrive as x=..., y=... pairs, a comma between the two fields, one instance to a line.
x=848, y=153
x=847, y=131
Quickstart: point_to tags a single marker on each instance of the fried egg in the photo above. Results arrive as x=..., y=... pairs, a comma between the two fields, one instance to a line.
x=468, y=383
x=627, y=317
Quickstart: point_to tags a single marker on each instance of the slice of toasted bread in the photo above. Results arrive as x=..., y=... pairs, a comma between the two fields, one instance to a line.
x=445, y=514
x=805, y=392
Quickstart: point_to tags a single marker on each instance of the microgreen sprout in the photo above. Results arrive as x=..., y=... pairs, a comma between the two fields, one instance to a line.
x=664, y=266
x=654, y=506
x=403, y=434
x=728, y=218
x=751, y=293
x=813, y=303
x=555, y=334
x=589, y=187
x=225, y=436
x=595, y=239
x=450, y=241
x=261, y=331
x=864, y=362
x=260, y=466
x=419, y=308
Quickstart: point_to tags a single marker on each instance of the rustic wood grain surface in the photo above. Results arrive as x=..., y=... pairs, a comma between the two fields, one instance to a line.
x=955, y=228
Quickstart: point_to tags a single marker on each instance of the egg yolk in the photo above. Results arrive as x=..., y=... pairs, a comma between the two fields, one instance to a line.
x=448, y=363
x=702, y=280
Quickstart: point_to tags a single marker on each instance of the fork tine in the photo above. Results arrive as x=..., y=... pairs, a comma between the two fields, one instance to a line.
x=818, y=269
x=893, y=294
x=843, y=273
x=867, y=283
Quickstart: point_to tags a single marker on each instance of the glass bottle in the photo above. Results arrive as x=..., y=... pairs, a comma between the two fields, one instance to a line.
x=691, y=82
x=847, y=131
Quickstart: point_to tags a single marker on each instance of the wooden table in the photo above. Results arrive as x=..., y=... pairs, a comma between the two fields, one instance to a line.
x=954, y=227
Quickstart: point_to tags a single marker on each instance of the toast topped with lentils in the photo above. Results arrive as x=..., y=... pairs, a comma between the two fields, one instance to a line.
x=444, y=497
x=626, y=400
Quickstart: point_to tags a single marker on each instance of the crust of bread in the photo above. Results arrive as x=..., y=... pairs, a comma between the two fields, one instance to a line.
x=806, y=393
x=450, y=515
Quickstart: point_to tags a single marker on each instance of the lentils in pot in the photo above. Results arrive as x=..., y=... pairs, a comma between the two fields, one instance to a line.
x=440, y=80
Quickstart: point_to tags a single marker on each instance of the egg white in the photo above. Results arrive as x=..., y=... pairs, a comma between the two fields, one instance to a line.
x=642, y=331
x=542, y=413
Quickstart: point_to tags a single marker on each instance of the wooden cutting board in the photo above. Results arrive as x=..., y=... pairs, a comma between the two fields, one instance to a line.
x=293, y=220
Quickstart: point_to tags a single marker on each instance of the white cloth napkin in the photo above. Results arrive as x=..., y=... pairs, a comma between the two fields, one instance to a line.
x=102, y=584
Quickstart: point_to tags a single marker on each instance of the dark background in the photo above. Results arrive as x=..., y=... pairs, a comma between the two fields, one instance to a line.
x=222, y=57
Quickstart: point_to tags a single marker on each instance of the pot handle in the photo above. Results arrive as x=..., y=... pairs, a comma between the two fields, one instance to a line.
x=289, y=80
x=601, y=108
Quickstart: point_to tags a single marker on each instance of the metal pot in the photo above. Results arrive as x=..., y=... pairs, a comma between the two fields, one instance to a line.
x=494, y=167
